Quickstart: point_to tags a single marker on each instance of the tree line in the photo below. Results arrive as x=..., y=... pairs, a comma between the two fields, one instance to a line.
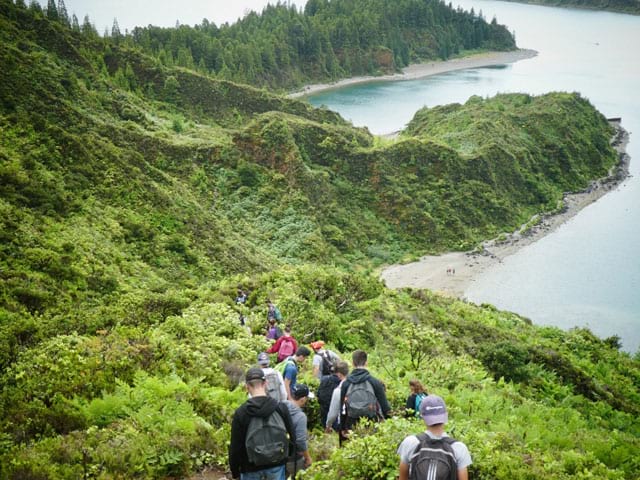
x=284, y=47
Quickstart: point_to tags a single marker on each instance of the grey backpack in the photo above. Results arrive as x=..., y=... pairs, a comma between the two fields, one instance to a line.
x=361, y=400
x=273, y=386
x=433, y=459
x=267, y=442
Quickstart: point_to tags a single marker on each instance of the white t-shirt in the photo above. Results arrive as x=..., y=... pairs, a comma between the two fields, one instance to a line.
x=407, y=448
x=317, y=360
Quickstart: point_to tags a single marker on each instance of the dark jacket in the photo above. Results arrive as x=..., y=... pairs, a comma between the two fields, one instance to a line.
x=359, y=375
x=261, y=406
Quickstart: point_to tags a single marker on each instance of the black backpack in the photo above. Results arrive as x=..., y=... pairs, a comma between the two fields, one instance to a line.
x=433, y=459
x=326, y=388
x=328, y=365
x=267, y=441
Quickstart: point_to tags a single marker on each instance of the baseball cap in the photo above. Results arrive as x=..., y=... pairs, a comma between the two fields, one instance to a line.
x=300, y=391
x=263, y=359
x=433, y=410
x=317, y=345
x=254, y=373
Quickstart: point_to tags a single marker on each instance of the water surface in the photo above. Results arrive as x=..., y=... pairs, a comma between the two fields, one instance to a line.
x=586, y=273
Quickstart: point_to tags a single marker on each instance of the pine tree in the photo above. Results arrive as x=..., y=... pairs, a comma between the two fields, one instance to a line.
x=115, y=30
x=75, y=25
x=52, y=11
x=63, y=14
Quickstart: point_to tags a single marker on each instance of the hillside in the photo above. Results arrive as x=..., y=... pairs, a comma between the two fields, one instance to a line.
x=136, y=198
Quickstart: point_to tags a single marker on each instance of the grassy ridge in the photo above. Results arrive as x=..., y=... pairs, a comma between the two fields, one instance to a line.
x=135, y=198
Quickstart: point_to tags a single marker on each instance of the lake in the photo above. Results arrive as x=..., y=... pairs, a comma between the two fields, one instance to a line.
x=587, y=272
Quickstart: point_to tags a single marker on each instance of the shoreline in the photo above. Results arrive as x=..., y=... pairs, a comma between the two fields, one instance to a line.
x=432, y=271
x=421, y=70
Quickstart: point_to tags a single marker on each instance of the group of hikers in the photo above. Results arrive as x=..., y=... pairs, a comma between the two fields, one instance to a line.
x=269, y=439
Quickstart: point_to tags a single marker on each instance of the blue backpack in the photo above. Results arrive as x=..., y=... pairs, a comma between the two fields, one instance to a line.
x=418, y=401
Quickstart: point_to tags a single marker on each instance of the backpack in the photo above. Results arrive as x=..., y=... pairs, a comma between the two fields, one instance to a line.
x=273, y=385
x=328, y=365
x=433, y=459
x=267, y=442
x=287, y=348
x=326, y=388
x=418, y=401
x=361, y=400
x=281, y=367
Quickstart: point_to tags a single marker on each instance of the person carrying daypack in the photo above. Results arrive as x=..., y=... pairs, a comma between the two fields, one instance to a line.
x=362, y=395
x=433, y=455
x=285, y=346
x=324, y=360
x=289, y=368
x=273, y=330
x=274, y=382
x=273, y=312
x=418, y=393
x=262, y=433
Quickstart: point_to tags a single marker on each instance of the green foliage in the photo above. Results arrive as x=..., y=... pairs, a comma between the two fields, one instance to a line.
x=283, y=47
x=137, y=197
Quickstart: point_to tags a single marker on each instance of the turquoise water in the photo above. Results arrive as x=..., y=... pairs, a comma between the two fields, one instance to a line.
x=586, y=273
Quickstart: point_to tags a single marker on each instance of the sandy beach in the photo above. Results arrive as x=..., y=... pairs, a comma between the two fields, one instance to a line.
x=452, y=273
x=421, y=70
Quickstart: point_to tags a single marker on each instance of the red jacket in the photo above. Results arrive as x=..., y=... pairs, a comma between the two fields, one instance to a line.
x=276, y=347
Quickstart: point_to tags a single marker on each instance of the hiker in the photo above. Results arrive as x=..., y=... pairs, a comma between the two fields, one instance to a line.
x=324, y=360
x=433, y=454
x=361, y=395
x=302, y=459
x=262, y=434
x=331, y=422
x=418, y=393
x=274, y=382
x=290, y=368
x=273, y=312
x=241, y=299
x=328, y=384
x=285, y=346
x=273, y=330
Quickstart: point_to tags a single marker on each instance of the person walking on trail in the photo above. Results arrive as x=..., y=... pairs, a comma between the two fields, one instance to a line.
x=302, y=459
x=362, y=395
x=331, y=421
x=274, y=382
x=418, y=393
x=433, y=454
x=285, y=346
x=273, y=312
x=241, y=299
x=273, y=330
x=290, y=368
x=324, y=360
x=262, y=434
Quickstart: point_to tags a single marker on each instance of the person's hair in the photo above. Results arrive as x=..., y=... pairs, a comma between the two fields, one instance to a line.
x=287, y=329
x=303, y=351
x=255, y=383
x=416, y=386
x=342, y=367
x=359, y=358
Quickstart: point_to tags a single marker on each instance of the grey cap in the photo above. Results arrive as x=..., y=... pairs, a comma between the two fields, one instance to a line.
x=263, y=359
x=433, y=410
